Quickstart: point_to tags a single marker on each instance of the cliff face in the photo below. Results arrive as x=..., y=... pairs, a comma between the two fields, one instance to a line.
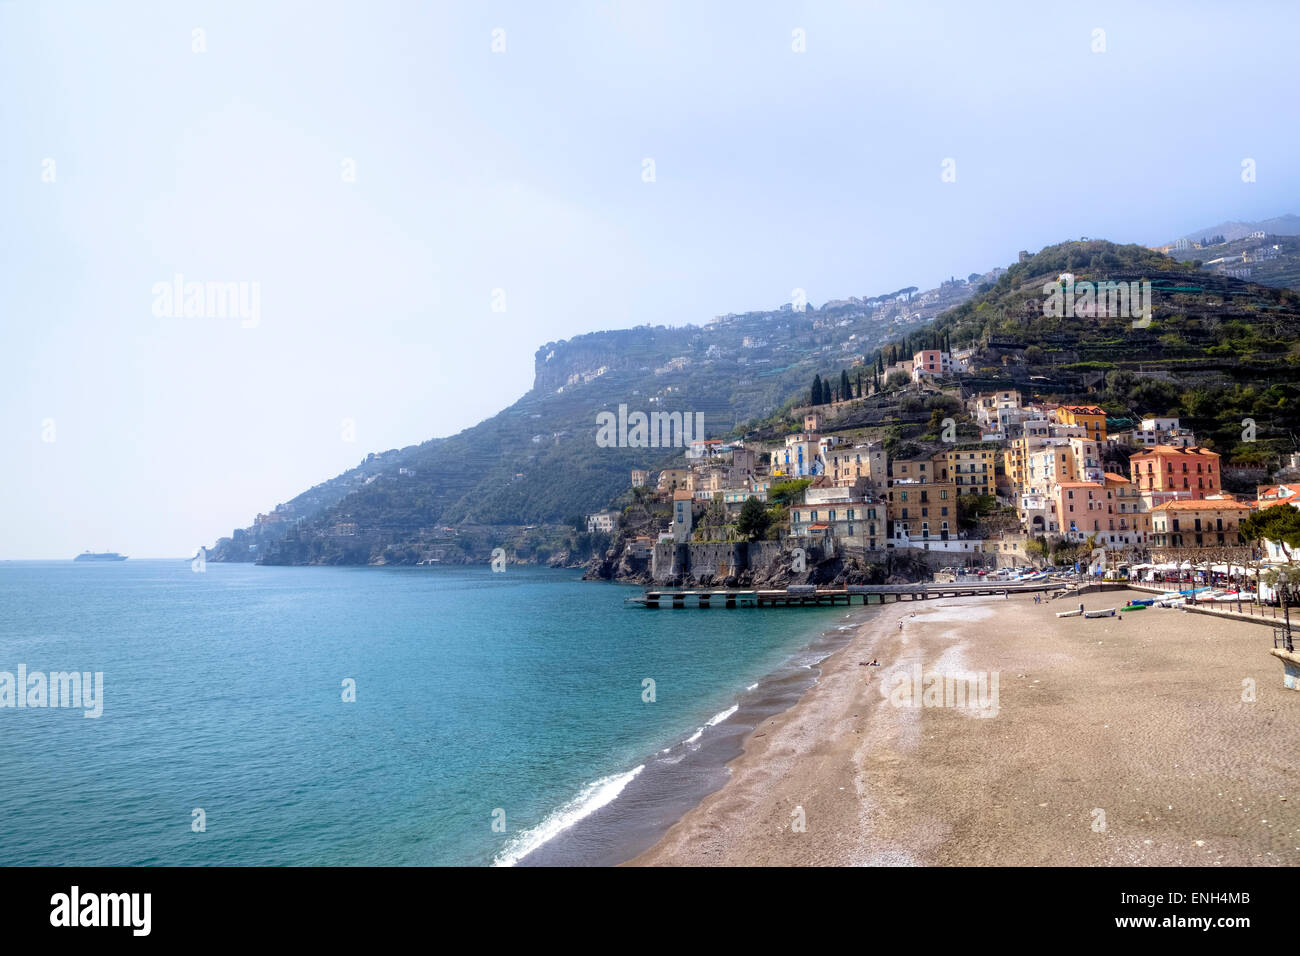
x=538, y=462
x=763, y=564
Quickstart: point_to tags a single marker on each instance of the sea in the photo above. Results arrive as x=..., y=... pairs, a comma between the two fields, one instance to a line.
x=375, y=716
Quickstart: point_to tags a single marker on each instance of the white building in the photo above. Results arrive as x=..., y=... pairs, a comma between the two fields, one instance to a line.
x=603, y=521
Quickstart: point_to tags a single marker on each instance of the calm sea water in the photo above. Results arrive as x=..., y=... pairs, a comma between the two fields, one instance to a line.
x=476, y=692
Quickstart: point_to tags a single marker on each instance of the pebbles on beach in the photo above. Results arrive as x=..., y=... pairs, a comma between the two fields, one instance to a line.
x=1081, y=764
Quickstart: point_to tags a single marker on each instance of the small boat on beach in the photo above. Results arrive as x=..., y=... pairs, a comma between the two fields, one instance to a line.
x=1108, y=612
x=1133, y=607
x=1075, y=613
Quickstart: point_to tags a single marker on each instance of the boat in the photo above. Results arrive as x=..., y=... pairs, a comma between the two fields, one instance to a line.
x=100, y=556
x=1108, y=612
x=1145, y=602
x=1133, y=607
x=1075, y=613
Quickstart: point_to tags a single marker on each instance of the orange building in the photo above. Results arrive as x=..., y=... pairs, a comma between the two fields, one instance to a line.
x=1166, y=473
x=1197, y=524
x=1090, y=417
x=1105, y=510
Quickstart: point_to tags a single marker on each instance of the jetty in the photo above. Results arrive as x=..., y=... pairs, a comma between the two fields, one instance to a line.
x=806, y=595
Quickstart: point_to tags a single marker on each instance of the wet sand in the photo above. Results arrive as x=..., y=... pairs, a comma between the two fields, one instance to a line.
x=1115, y=741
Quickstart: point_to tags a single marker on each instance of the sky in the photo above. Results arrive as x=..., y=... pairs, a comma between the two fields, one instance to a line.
x=416, y=196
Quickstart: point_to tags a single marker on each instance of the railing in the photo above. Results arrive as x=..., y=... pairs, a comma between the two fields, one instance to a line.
x=1282, y=639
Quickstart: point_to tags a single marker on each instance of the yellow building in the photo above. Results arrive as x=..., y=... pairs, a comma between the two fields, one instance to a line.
x=973, y=470
x=1089, y=416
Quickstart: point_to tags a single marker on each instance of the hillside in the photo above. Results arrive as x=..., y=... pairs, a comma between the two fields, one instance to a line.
x=1288, y=225
x=537, y=463
x=1218, y=350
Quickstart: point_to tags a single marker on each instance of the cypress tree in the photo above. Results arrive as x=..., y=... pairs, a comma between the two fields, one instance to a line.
x=816, y=398
x=844, y=384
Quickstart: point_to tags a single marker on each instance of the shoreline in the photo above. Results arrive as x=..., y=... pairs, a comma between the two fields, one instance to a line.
x=667, y=783
x=1116, y=741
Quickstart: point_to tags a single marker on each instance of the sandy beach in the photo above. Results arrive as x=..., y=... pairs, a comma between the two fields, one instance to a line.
x=1113, y=741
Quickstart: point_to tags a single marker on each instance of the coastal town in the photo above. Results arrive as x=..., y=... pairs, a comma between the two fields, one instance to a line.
x=1008, y=480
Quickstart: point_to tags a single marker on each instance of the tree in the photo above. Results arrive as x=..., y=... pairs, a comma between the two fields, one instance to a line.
x=844, y=385
x=788, y=492
x=897, y=380
x=1280, y=524
x=754, y=519
x=816, y=398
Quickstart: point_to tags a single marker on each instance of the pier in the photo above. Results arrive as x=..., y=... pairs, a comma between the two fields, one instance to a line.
x=809, y=596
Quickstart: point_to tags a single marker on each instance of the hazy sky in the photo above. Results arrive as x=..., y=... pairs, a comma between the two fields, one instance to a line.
x=523, y=171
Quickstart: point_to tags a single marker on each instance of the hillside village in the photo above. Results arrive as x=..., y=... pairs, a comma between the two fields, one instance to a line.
x=1001, y=479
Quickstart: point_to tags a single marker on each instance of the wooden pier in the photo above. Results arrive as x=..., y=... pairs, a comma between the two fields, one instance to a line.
x=808, y=596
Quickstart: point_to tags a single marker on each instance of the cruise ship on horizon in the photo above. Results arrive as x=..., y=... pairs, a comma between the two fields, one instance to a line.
x=100, y=556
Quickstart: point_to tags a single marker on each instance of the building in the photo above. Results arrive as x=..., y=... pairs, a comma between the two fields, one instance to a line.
x=1108, y=511
x=683, y=516
x=1092, y=418
x=996, y=410
x=931, y=363
x=1269, y=495
x=1167, y=473
x=1159, y=431
x=845, y=465
x=640, y=477
x=800, y=457
x=973, y=471
x=671, y=479
x=842, y=515
x=602, y=521
x=922, y=501
x=1198, y=523
x=1087, y=459
x=1037, y=433
x=1049, y=465
x=703, y=448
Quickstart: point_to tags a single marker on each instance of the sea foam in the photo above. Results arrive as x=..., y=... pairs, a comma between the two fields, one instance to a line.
x=592, y=798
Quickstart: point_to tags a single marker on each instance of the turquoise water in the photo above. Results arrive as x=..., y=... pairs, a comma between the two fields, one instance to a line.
x=476, y=692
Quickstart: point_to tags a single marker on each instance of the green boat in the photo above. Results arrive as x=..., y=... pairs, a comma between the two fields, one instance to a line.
x=1132, y=607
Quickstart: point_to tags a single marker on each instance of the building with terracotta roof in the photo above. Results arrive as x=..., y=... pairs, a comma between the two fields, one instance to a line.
x=1165, y=473
x=1109, y=510
x=1198, y=523
x=1269, y=495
